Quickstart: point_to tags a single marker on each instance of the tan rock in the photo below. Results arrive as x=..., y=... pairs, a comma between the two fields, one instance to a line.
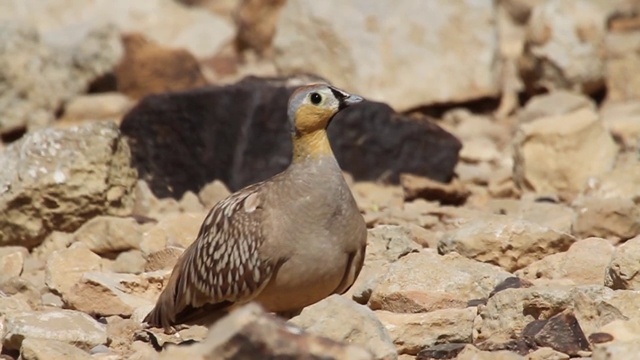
x=341, y=319
x=121, y=333
x=129, y=262
x=426, y=281
x=385, y=244
x=453, y=193
x=190, y=203
x=250, y=333
x=622, y=182
x=11, y=264
x=42, y=349
x=479, y=149
x=505, y=241
x=554, y=103
x=509, y=311
x=71, y=327
x=584, y=263
x=556, y=216
x=623, y=122
x=173, y=230
x=111, y=105
x=623, y=272
x=471, y=352
x=414, y=332
x=623, y=330
x=611, y=218
x=559, y=154
x=617, y=350
x=163, y=259
x=622, y=66
x=213, y=192
x=563, y=46
x=109, y=234
x=57, y=240
x=375, y=197
x=57, y=179
x=256, y=21
x=23, y=290
x=105, y=294
x=12, y=304
x=65, y=268
x=547, y=353
x=396, y=57
x=182, y=27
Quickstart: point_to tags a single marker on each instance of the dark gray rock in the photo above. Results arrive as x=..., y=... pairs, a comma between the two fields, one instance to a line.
x=240, y=135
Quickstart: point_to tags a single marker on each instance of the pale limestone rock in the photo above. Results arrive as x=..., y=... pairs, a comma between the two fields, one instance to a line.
x=65, y=22
x=471, y=352
x=65, y=268
x=623, y=272
x=72, y=327
x=341, y=319
x=614, y=218
x=11, y=264
x=57, y=179
x=505, y=241
x=617, y=350
x=105, y=294
x=623, y=122
x=509, y=311
x=560, y=154
x=12, y=304
x=385, y=244
x=37, y=78
x=178, y=230
x=395, y=39
x=554, y=103
x=213, y=192
x=622, y=182
x=414, y=332
x=546, y=353
x=556, y=216
x=99, y=106
x=563, y=47
x=622, y=66
x=426, y=281
x=129, y=262
x=250, y=333
x=109, y=234
x=42, y=349
x=584, y=263
x=623, y=330
x=163, y=259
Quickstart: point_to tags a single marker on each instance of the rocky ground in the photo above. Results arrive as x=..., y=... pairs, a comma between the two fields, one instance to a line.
x=497, y=165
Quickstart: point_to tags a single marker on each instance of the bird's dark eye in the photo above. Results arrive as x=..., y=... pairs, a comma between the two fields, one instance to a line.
x=316, y=98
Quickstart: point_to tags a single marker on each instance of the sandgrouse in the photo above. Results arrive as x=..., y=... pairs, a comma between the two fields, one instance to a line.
x=286, y=242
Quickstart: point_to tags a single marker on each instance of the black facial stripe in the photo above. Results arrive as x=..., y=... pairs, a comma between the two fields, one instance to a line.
x=338, y=94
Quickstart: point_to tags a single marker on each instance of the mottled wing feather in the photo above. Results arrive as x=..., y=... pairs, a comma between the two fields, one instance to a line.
x=224, y=264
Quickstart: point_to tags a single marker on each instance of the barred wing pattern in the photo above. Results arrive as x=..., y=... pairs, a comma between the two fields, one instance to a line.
x=223, y=265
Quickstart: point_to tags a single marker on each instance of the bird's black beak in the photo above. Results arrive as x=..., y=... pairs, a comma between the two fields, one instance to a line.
x=345, y=99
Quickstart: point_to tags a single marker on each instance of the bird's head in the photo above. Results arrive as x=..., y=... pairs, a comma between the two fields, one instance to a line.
x=312, y=107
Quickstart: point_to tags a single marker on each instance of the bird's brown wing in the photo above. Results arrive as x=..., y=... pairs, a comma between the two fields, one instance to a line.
x=222, y=267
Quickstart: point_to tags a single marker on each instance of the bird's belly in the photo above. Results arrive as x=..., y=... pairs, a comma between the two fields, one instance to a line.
x=304, y=280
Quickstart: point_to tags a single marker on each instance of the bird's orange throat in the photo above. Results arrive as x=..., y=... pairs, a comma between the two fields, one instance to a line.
x=311, y=145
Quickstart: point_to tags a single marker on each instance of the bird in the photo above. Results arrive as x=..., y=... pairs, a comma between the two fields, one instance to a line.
x=286, y=242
